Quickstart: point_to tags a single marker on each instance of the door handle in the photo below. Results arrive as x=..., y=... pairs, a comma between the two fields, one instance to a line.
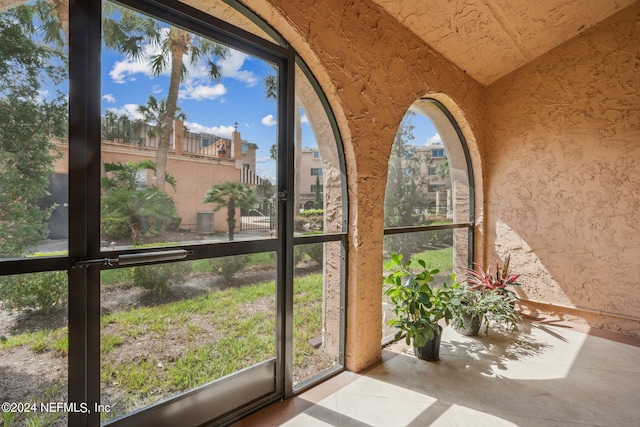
x=133, y=259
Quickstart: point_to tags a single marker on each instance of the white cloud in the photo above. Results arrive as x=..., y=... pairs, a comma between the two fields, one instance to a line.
x=264, y=159
x=126, y=67
x=269, y=120
x=434, y=140
x=231, y=66
x=304, y=118
x=222, y=131
x=109, y=98
x=202, y=92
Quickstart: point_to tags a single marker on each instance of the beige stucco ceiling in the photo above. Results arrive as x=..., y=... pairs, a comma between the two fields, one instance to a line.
x=490, y=38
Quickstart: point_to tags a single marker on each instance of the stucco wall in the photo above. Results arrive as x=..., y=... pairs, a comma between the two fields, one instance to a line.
x=372, y=69
x=194, y=177
x=563, y=174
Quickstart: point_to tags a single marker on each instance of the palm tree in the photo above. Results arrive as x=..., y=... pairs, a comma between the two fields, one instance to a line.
x=128, y=209
x=147, y=209
x=124, y=175
x=155, y=111
x=50, y=18
x=127, y=32
x=232, y=195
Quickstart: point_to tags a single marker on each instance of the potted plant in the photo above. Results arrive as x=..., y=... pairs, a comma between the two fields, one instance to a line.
x=470, y=315
x=478, y=309
x=485, y=299
x=418, y=306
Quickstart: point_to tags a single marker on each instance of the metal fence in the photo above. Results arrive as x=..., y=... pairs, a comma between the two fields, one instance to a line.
x=258, y=219
x=121, y=130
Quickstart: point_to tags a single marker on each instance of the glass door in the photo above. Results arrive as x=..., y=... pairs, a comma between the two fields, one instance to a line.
x=176, y=251
x=153, y=262
x=190, y=218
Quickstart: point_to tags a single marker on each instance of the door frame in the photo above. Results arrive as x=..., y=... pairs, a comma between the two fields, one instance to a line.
x=247, y=389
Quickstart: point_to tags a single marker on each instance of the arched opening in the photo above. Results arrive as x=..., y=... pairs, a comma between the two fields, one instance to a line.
x=429, y=200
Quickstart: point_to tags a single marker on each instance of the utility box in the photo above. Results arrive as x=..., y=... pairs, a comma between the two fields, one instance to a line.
x=205, y=223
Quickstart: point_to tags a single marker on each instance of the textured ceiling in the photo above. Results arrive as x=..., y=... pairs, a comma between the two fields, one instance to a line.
x=490, y=38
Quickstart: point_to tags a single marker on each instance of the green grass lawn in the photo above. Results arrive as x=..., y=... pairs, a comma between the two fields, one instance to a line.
x=441, y=259
x=152, y=352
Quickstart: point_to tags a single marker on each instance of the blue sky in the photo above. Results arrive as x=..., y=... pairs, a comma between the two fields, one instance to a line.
x=215, y=107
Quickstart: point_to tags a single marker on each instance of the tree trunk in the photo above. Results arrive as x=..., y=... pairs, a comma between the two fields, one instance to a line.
x=179, y=40
x=231, y=218
x=62, y=9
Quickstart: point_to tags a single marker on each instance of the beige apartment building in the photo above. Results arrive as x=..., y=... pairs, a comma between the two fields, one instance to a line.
x=197, y=161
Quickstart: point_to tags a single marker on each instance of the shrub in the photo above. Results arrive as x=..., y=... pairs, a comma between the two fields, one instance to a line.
x=298, y=255
x=315, y=251
x=34, y=292
x=441, y=238
x=305, y=224
x=157, y=278
x=312, y=212
x=227, y=267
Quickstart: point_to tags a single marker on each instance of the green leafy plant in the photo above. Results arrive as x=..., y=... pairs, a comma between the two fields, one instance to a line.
x=315, y=251
x=142, y=212
x=312, y=213
x=487, y=307
x=486, y=297
x=34, y=292
x=228, y=267
x=131, y=211
x=157, y=278
x=418, y=305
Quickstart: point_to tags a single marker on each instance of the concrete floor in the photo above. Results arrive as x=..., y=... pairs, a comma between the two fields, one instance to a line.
x=547, y=374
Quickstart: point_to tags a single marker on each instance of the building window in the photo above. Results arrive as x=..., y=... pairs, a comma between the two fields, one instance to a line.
x=244, y=148
x=313, y=188
x=437, y=187
x=438, y=153
x=141, y=179
x=316, y=154
x=316, y=171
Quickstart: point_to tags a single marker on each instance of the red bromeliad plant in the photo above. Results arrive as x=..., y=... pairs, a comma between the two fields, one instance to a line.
x=481, y=280
x=486, y=296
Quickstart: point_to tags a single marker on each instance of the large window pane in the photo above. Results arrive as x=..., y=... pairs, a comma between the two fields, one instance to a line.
x=172, y=327
x=33, y=349
x=187, y=153
x=318, y=177
x=429, y=189
x=435, y=248
x=33, y=131
x=316, y=309
x=419, y=190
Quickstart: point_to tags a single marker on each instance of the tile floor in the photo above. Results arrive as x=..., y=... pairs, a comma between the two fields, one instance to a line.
x=546, y=374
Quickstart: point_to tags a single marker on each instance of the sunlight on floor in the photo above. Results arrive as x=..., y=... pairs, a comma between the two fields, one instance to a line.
x=547, y=374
